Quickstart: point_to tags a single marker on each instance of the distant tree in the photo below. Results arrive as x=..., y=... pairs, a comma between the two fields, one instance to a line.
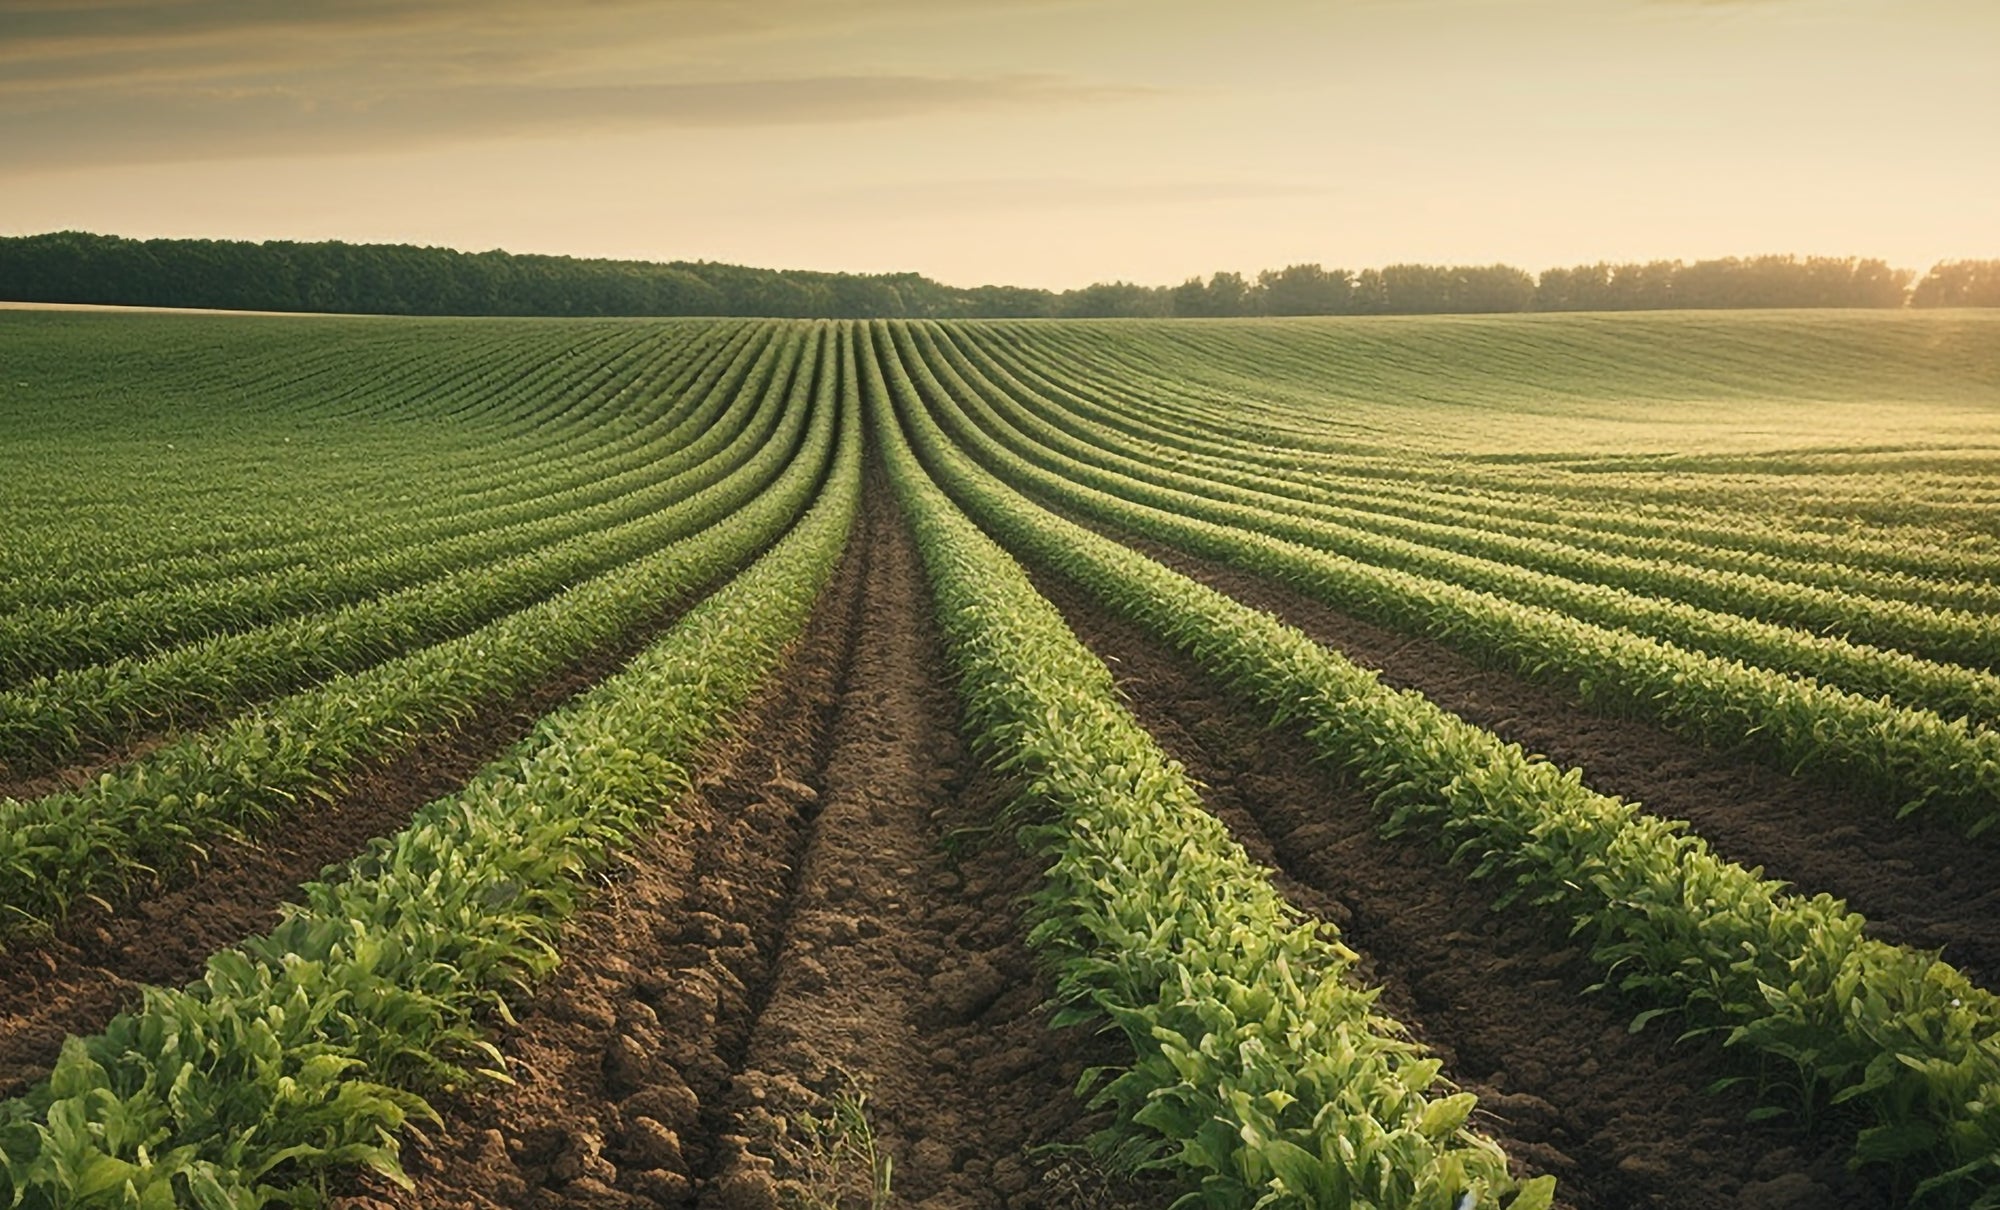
x=1306, y=290
x=1190, y=298
x=995, y=302
x=1119, y=300
x=1371, y=293
x=1959, y=283
x=1224, y=294
x=74, y=266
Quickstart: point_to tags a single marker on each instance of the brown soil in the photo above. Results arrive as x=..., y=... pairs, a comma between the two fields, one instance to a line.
x=1918, y=882
x=800, y=932
x=1621, y=1120
x=80, y=774
x=97, y=961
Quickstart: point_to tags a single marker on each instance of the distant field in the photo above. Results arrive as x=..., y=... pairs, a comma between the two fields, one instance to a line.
x=789, y=723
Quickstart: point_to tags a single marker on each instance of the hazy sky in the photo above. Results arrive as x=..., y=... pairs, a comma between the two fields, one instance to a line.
x=1035, y=142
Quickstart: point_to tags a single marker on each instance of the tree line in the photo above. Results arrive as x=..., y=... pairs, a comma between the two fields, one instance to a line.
x=403, y=279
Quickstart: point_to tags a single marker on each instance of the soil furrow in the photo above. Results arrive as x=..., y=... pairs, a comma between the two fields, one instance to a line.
x=905, y=977
x=797, y=934
x=1620, y=1119
x=81, y=773
x=622, y=1057
x=96, y=963
x=1919, y=883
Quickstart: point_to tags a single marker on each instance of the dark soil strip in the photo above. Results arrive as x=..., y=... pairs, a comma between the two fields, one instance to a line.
x=1619, y=1119
x=77, y=776
x=1917, y=882
x=94, y=967
x=622, y=1056
x=905, y=974
x=797, y=932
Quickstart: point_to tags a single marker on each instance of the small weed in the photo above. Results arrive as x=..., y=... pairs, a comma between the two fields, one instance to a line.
x=830, y=1151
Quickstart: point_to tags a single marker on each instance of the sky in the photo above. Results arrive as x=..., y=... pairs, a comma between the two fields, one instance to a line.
x=1028, y=142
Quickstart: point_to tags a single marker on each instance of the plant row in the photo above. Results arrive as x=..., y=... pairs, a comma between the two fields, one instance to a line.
x=1375, y=472
x=446, y=509
x=1259, y=1070
x=1912, y=758
x=45, y=640
x=353, y=488
x=1889, y=608
x=417, y=405
x=305, y=1051
x=99, y=840
x=55, y=719
x=1889, y=1032
x=1942, y=688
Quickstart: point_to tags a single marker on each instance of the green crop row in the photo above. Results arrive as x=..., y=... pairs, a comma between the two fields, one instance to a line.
x=1258, y=1070
x=459, y=374
x=304, y=1051
x=44, y=641
x=1133, y=397
x=96, y=841
x=1885, y=1030
x=1945, y=689
x=55, y=719
x=1911, y=757
x=436, y=482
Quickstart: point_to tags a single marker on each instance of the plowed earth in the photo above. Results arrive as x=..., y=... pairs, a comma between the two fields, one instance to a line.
x=1917, y=881
x=834, y=917
x=831, y=915
x=1622, y=1120
x=93, y=967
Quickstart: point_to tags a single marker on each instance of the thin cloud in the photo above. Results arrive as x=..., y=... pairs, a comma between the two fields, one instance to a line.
x=1013, y=194
x=220, y=123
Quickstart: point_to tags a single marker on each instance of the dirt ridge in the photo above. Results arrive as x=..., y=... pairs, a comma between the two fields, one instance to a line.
x=95, y=963
x=1918, y=882
x=799, y=932
x=1500, y=996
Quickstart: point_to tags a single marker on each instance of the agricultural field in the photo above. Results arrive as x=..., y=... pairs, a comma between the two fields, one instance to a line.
x=1436, y=762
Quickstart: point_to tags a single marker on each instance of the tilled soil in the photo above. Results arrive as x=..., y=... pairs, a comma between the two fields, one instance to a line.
x=800, y=935
x=1620, y=1119
x=1917, y=881
x=80, y=773
x=96, y=963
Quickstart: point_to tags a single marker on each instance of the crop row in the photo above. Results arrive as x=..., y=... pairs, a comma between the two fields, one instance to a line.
x=306, y=1050
x=44, y=641
x=359, y=484
x=122, y=522
x=57, y=718
x=1373, y=473
x=452, y=499
x=1888, y=1031
x=1258, y=1067
x=98, y=840
x=1719, y=563
x=1942, y=688
x=1912, y=757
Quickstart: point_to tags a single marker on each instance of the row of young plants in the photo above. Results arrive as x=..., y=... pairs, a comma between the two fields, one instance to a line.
x=1260, y=1073
x=1371, y=475
x=121, y=523
x=274, y=761
x=1887, y=1032
x=1717, y=560
x=47, y=640
x=1849, y=605
x=406, y=481
x=1947, y=689
x=304, y=1052
x=54, y=719
x=319, y=560
x=1913, y=759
